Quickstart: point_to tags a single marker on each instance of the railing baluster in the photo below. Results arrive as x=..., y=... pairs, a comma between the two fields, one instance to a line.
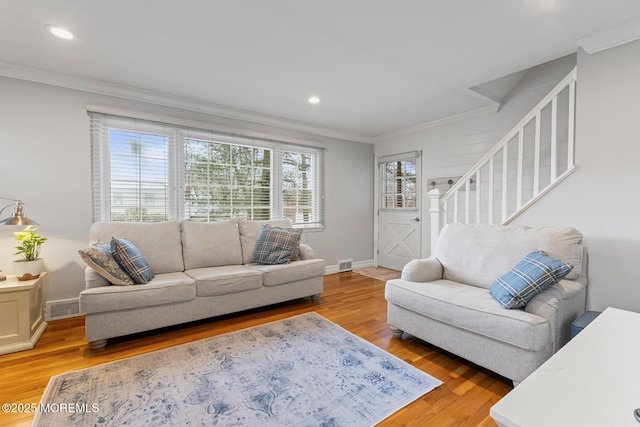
x=455, y=206
x=536, y=156
x=554, y=138
x=467, y=190
x=504, y=181
x=478, y=197
x=520, y=167
x=438, y=216
x=570, y=138
x=490, y=202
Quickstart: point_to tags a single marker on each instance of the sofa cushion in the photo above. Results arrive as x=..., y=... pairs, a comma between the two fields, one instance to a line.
x=470, y=308
x=532, y=275
x=99, y=258
x=273, y=275
x=159, y=242
x=477, y=254
x=225, y=280
x=165, y=288
x=210, y=244
x=276, y=245
x=249, y=232
x=131, y=260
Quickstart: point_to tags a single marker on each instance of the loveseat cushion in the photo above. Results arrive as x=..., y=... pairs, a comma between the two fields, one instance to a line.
x=249, y=232
x=274, y=275
x=210, y=244
x=477, y=254
x=225, y=279
x=159, y=242
x=166, y=288
x=470, y=308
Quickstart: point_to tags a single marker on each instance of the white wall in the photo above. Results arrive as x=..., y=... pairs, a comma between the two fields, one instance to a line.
x=601, y=197
x=44, y=160
x=451, y=147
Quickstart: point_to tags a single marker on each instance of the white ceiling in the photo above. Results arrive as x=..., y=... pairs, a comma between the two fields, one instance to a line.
x=378, y=65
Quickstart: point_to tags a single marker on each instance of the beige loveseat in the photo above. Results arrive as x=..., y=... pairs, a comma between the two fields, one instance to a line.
x=201, y=270
x=445, y=300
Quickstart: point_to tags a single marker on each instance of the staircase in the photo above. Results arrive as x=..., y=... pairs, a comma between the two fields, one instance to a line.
x=528, y=162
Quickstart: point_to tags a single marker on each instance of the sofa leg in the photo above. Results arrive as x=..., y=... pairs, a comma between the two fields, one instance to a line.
x=315, y=297
x=98, y=345
x=397, y=333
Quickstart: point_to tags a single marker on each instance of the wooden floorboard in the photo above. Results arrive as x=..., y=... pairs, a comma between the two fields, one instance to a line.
x=351, y=300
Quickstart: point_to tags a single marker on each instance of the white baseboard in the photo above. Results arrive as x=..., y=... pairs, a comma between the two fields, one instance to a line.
x=332, y=269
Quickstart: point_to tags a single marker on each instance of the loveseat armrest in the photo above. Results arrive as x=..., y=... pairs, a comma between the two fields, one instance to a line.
x=306, y=251
x=560, y=304
x=422, y=270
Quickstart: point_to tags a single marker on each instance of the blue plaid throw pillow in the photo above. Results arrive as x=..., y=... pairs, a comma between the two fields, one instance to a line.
x=128, y=256
x=276, y=245
x=532, y=275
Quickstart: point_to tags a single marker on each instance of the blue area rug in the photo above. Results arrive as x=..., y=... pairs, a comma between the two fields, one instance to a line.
x=301, y=371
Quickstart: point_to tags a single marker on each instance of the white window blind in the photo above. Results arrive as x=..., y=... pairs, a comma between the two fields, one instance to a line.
x=150, y=171
x=302, y=183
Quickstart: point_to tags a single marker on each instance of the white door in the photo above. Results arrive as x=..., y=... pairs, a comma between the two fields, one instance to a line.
x=399, y=210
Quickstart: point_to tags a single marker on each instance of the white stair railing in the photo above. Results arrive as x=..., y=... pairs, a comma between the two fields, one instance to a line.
x=529, y=161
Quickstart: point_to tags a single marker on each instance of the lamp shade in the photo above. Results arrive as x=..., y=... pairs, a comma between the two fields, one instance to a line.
x=18, y=217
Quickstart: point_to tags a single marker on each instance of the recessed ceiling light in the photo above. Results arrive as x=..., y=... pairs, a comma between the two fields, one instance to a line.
x=314, y=100
x=63, y=33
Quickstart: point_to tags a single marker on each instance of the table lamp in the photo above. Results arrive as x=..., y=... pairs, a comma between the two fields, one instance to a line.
x=18, y=218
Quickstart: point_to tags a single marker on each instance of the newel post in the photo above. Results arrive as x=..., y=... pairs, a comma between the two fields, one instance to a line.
x=436, y=216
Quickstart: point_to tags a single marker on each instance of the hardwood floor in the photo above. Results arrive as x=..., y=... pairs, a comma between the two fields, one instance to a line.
x=351, y=300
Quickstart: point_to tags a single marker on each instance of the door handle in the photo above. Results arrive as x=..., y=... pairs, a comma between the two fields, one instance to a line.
x=416, y=219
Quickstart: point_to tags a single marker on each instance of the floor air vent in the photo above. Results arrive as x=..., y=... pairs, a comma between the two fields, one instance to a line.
x=345, y=265
x=61, y=309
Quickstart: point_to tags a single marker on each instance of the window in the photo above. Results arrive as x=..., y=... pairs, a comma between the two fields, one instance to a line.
x=301, y=187
x=138, y=167
x=224, y=180
x=149, y=171
x=399, y=184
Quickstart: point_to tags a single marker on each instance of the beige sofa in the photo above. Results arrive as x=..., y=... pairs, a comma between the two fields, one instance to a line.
x=201, y=270
x=445, y=300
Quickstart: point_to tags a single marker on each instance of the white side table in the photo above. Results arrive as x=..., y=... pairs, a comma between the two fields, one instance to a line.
x=21, y=313
x=592, y=381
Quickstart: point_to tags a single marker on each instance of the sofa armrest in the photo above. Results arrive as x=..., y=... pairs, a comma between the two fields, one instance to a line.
x=422, y=270
x=306, y=252
x=93, y=280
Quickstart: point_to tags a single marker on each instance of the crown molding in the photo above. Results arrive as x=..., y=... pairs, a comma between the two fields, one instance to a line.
x=611, y=37
x=135, y=94
x=491, y=109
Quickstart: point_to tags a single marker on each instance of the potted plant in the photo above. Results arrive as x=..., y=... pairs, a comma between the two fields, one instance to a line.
x=30, y=266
